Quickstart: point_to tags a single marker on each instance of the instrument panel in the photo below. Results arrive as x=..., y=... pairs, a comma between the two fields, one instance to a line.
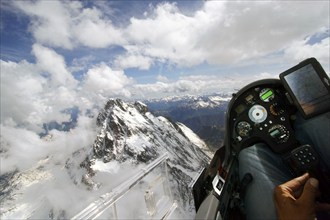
x=262, y=114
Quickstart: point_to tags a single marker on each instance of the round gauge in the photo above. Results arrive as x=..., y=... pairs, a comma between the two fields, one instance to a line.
x=243, y=128
x=266, y=95
x=276, y=109
x=257, y=114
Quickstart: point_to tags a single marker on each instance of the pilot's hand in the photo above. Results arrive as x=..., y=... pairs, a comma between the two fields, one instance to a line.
x=295, y=199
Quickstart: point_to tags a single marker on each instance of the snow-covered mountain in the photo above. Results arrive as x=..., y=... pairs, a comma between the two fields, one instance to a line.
x=205, y=115
x=129, y=138
x=130, y=130
x=190, y=101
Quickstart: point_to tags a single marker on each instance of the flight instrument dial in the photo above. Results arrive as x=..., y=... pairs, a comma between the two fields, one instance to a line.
x=266, y=95
x=257, y=114
x=244, y=128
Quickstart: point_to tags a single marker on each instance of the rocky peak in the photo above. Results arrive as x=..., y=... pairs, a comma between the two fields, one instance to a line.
x=129, y=131
x=141, y=107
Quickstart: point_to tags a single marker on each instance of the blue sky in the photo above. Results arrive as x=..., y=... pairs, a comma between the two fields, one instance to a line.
x=60, y=54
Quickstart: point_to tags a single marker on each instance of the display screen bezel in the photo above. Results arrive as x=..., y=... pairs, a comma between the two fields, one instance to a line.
x=324, y=78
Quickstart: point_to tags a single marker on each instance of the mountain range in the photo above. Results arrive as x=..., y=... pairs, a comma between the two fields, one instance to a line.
x=204, y=115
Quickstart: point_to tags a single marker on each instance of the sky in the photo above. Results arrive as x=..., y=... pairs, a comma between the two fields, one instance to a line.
x=59, y=55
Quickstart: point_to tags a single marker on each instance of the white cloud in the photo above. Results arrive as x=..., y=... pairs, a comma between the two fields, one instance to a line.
x=50, y=22
x=300, y=50
x=21, y=85
x=225, y=32
x=167, y=35
x=104, y=82
x=23, y=149
x=34, y=94
x=29, y=99
x=133, y=61
x=51, y=62
x=20, y=145
x=260, y=28
x=93, y=31
x=67, y=24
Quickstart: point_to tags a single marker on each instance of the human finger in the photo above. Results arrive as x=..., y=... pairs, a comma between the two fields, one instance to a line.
x=296, y=183
x=310, y=191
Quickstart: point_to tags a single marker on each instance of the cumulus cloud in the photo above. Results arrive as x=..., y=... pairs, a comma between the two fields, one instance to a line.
x=68, y=24
x=51, y=62
x=225, y=32
x=167, y=34
x=45, y=21
x=104, y=81
x=133, y=61
x=21, y=86
x=92, y=30
x=22, y=148
x=300, y=50
x=36, y=93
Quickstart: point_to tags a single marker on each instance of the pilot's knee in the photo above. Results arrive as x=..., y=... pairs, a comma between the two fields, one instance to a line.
x=252, y=150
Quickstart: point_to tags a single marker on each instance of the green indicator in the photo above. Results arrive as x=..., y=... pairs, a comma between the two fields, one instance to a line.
x=274, y=133
x=267, y=95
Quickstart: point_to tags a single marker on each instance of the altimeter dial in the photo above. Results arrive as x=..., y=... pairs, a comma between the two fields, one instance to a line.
x=257, y=114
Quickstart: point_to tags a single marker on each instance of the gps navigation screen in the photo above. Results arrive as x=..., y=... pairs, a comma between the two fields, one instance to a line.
x=308, y=89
